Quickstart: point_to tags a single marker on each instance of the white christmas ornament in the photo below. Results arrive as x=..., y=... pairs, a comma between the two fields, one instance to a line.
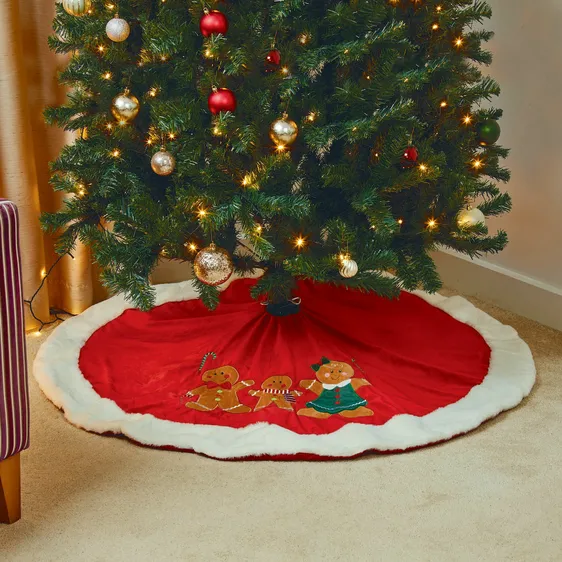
x=470, y=217
x=117, y=29
x=349, y=268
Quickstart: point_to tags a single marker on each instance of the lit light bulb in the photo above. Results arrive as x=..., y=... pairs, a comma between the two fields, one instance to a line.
x=423, y=168
x=171, y=136
x=467, y=119
x=477, y=164
x=110, y=7
x=368, y=77
x=192, y=247
x=101, y=48
x=311, y=116
x=208, y=53
x=431, y=223
x=115, y=153
x=285, y=70
x=149, y=141
x=107, y=75
x=443, y=104
x=202, y=213
x=300, y=242
x=439, y=8
x=280, y=148
x=459, y=42
x=303, y=38
x=164, y=58
x=109, y=126
x=246, y=180
x=152, y=92
x=400, y=221
x=217, y=132
x=258, y=229
x=435, y=26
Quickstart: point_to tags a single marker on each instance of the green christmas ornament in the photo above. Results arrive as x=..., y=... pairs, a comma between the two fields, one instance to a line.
x=489, y=132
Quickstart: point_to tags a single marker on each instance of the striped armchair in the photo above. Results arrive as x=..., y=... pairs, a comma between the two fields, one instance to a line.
x=14, y=398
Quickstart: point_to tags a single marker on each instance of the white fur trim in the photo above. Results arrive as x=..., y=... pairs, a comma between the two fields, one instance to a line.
x=510, y=378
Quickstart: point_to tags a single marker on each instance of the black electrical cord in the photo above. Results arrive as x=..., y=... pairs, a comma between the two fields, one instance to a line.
x=52, y=311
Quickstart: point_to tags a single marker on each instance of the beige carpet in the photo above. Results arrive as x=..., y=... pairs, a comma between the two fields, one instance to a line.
x=494, y=495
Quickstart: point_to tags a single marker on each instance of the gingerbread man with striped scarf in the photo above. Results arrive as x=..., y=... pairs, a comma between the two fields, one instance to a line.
x=276, y=390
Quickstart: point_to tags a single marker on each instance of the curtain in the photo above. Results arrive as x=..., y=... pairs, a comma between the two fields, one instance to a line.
x=27, y=84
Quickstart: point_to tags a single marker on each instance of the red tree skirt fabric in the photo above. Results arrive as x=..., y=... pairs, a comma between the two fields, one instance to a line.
x=351, y=373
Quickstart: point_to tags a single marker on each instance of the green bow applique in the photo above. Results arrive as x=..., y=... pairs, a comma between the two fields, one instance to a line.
x=324, y=361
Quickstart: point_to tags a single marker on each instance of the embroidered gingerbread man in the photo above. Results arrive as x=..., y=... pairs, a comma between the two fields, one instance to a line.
x=276, y=390
x=220, y=391
x=336, y=388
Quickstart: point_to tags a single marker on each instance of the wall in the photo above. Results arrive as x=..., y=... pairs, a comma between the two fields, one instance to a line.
x=528, y=65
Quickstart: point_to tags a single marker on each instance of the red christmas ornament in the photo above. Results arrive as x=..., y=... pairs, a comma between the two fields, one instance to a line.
x=272, y=61
x=222, y=99
x=409, y=158
x=411, y=154
x=273, y=57
x=212, y=23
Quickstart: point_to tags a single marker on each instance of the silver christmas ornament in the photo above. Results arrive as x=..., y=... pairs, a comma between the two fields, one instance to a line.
x=76, y=7
x=349, y=268
x=117, y=29
x=163, y=163
x=125, y=107
x=470, y=217
x=213, y=266
x=283, y=131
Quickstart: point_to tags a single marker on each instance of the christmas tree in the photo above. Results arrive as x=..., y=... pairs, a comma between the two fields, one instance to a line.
x=330, y=140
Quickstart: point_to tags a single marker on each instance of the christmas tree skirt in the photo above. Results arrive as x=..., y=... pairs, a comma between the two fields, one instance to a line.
x=351, y=373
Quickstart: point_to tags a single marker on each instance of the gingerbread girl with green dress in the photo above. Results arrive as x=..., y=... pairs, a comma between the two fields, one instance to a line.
x=336, y=389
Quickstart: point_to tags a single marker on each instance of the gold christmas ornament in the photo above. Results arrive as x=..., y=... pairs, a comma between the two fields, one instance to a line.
x=117, y=29
x=470, y=217
x=76, y=7
x=349, y=268
x=284, y=131
x=213, y=266
x=163, y=163
x=125, y=107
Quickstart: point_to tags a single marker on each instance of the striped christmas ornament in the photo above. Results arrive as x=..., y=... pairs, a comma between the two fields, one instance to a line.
x=77, y=7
